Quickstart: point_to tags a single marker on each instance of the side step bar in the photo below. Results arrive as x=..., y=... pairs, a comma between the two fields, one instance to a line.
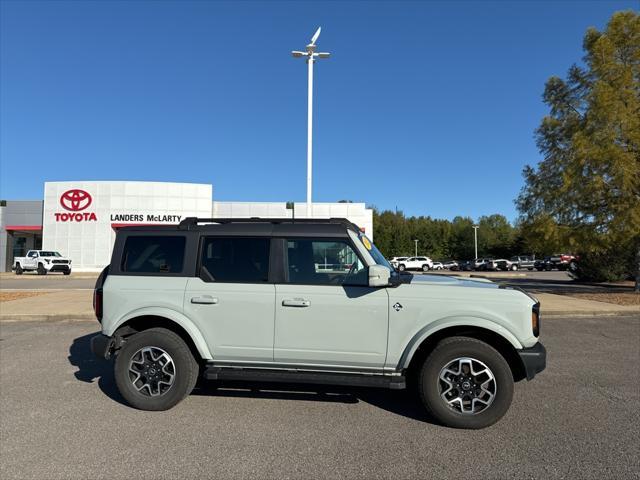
x=296, y=376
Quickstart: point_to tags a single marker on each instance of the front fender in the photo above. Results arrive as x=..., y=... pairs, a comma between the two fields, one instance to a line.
x=177, y=317
x=448, y=322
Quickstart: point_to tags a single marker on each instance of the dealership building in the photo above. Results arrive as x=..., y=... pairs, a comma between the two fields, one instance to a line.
x=80, y=219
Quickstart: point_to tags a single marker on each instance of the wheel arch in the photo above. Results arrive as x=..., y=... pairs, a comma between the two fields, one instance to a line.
x=417, y=352
x=177, y=323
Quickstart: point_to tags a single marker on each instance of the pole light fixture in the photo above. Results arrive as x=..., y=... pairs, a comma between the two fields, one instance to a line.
x=311, y=55
x=475, y=239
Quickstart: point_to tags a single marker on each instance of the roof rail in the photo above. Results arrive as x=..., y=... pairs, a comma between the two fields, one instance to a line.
x=190, y=222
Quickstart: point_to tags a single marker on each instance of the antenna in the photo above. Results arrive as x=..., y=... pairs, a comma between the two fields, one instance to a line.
x=315, y=36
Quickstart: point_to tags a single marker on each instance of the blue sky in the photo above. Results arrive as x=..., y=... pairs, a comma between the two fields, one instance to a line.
x=429, y=107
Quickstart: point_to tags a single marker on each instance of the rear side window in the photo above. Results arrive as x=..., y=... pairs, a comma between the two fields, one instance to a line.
x=235, y=260
x=151, y=254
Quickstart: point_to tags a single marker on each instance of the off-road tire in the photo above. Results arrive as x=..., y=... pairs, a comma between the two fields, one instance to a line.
x=446, y=351
x=19, y=269
x=186, y=369
x=41, y=269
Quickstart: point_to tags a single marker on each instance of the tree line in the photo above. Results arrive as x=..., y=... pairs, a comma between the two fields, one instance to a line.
x=394, y=235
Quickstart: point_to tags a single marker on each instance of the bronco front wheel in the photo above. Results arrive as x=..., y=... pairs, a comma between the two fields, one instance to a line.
x=466, y=383
x=155, y=369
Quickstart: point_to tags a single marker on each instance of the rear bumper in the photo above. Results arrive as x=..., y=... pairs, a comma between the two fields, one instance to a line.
x=534, y=359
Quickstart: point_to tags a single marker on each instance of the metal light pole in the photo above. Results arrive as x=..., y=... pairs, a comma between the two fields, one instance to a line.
x=311, y=56
x=475, y=238
x=416, y=248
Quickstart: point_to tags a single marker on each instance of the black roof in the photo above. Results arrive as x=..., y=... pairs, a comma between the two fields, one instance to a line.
x=256, y=226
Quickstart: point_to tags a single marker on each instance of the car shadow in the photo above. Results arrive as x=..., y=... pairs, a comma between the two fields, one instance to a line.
x=92, y=369
x=405, y=403
x=399, y=402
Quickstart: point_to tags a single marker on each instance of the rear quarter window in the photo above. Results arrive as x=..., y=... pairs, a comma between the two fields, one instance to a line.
x=153, y=254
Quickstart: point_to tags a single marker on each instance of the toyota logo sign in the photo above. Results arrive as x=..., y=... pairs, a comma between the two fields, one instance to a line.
x=75, y=200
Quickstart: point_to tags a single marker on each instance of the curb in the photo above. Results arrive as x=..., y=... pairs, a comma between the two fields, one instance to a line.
x=43, y=317
x=591, y=313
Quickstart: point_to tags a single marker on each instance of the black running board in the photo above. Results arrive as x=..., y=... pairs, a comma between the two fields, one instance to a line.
x=395, y=382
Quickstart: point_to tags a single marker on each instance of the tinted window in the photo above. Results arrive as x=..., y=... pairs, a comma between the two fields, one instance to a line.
x=318, y=262
x=238, y=260
x=149, y=254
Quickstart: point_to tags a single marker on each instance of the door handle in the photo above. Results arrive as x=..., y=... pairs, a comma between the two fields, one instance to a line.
x=204, y=300
x=296, y=302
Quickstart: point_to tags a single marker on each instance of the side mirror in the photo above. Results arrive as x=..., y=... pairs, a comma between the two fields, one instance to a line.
x=379, y=276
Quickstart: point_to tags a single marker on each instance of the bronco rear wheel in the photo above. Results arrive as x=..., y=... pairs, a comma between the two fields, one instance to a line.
x=155, y=370
x=466, y=383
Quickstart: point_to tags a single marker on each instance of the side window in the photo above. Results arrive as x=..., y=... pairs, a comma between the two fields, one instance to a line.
x=322, y=262
x=235, y=260
x=153, y=254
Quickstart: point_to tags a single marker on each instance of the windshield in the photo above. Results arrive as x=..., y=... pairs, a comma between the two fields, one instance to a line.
x=49, y=254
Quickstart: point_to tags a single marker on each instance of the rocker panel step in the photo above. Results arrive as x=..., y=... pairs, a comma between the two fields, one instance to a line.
x=316, y=378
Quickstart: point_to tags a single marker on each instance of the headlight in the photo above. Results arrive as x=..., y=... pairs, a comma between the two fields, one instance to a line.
x=535, y=319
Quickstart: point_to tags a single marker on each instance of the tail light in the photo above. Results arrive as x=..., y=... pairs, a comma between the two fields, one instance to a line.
x=97, y=303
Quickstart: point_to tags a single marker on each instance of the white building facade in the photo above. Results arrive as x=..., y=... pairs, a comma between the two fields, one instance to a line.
x=80, y=219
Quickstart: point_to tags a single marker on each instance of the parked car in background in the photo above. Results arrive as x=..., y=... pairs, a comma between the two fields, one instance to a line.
x=523, y=261
x=41, y=261
x=450, y=265
x=396, y=260
x=480, y=263
x=504, y=265
x=466, y=266
x=437, y=266
x=559, y=261
x=416, y=263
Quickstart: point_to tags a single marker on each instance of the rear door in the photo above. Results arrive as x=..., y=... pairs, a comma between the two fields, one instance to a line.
x=326, y=314
x=231, y=299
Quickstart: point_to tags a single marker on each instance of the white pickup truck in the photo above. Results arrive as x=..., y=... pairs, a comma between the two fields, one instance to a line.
x=43, y=262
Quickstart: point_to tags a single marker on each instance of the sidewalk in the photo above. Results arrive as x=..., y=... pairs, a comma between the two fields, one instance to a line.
x=77, y=305
x=50, y=305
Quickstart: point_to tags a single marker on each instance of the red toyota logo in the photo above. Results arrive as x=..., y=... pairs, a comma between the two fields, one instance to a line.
x=75, y=200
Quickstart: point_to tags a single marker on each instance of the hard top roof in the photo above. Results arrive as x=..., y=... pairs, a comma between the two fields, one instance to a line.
x=255, y=226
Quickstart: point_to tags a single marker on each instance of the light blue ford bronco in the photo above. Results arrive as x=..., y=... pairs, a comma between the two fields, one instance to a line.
x=308, y=301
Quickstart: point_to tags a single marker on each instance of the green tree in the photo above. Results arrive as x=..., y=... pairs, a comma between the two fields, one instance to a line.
x=584, y=196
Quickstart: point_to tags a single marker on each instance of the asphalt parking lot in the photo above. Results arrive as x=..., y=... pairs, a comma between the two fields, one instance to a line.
x=61, y=417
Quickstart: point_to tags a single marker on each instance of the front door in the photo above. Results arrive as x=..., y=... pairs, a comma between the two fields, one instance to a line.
x=232, y=301
x=326, y=314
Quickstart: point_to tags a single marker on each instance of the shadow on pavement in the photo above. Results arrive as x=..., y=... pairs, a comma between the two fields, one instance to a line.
x=402, y=402
x=92, y=368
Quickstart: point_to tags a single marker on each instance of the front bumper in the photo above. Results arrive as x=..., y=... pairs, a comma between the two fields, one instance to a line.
x=534, y=359
x=59, y=267
x=102, y=345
